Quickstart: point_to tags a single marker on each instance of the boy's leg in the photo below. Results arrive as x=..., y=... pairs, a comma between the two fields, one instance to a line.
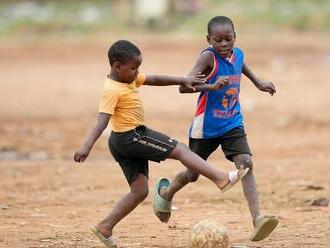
x=180, y=180
x=235, y=146
x=249, y=184
x=139, y=191
x=195, y=163
x=155, y=146
x=152, y=145
x=263, y=225
x=203, y=148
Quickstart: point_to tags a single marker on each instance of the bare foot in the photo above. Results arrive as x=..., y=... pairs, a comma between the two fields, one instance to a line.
x=221, y=184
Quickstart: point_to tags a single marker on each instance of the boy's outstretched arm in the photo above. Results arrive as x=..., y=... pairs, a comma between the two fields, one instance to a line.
x=260, y=84
x=101, y=124
x=165, y=80
x=204, y=65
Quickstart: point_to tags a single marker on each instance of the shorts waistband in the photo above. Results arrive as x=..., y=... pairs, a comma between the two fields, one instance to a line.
x=137, y=129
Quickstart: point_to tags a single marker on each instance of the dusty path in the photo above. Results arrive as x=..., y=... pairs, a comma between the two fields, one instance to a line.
x=49, y=97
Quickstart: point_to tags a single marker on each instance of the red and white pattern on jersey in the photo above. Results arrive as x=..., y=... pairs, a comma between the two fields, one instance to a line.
x=198, y=122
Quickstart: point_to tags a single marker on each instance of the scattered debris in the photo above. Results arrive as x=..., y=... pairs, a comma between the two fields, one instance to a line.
x=8, y=227
x=54, y=225
x=308, y=209
x=174, y=208
x=71, y=215
x=133, y=244
x=38, y=155
x=4, y=207
x=68, y=243
x=12, y=154
x=46, y=240
x=93, y=240
x=313, y=187
x=8, y=155
x=321, y=202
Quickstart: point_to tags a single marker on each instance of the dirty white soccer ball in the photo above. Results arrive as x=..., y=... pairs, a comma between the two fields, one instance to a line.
x=208, y=234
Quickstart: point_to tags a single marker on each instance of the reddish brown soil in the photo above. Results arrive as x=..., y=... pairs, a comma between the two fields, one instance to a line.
x=49, y=96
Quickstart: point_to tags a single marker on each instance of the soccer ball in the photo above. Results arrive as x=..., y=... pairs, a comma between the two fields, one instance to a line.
x=208, y=234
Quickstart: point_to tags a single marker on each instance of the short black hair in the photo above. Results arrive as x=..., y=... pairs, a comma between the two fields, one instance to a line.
x=219, y=20
x=122, y=51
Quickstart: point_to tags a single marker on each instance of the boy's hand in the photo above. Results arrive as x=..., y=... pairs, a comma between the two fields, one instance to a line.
x=267, y=87
x=81, y=154
x=197, y=79
x=221, y=82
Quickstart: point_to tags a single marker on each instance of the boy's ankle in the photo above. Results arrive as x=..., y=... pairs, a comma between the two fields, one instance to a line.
x=254, y=220
x=222, y=182
x=103, y=229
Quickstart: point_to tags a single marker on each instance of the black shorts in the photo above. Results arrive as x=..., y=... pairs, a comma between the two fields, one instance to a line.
x=232, y=143
x=133, y=149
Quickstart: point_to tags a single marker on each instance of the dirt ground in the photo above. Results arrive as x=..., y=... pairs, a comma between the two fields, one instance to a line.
x=49, y=96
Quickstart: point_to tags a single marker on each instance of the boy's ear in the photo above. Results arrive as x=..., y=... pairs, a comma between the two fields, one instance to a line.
x=235, y=35
x=208, y=38
x=117, y=65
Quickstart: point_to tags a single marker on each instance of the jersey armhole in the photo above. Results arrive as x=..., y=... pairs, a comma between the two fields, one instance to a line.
x=211, y=74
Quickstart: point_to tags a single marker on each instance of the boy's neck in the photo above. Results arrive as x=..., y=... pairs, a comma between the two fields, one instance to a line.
x=114, y=77
x=231, y=54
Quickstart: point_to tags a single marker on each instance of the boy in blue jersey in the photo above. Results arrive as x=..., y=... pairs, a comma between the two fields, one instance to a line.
x=218, y=119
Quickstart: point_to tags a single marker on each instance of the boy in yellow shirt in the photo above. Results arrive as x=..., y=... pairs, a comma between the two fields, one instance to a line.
x=132, y=144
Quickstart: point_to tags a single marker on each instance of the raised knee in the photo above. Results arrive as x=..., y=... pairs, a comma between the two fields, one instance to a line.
x=144, y=193
x=179, y=151
x=182, y=147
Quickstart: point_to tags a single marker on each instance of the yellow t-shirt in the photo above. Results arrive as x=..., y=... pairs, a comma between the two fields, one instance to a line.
x=122, y=102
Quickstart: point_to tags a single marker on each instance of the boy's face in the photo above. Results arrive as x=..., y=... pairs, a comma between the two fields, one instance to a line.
x=222, y=39
x=127, y=72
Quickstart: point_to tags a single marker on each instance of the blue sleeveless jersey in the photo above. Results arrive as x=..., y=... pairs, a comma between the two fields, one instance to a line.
x=219, y=111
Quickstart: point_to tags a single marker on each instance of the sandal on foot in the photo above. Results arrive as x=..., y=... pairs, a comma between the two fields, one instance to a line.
x=160, y=205
x=109, y=242
x=234, y=177
x=264, y=225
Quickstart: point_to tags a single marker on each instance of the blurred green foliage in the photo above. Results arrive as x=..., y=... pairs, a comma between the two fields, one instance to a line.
x=79, y=17
x=301, y=15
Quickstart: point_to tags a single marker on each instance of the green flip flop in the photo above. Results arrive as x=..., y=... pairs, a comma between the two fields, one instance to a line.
x=160, y=205
x=264, y=225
